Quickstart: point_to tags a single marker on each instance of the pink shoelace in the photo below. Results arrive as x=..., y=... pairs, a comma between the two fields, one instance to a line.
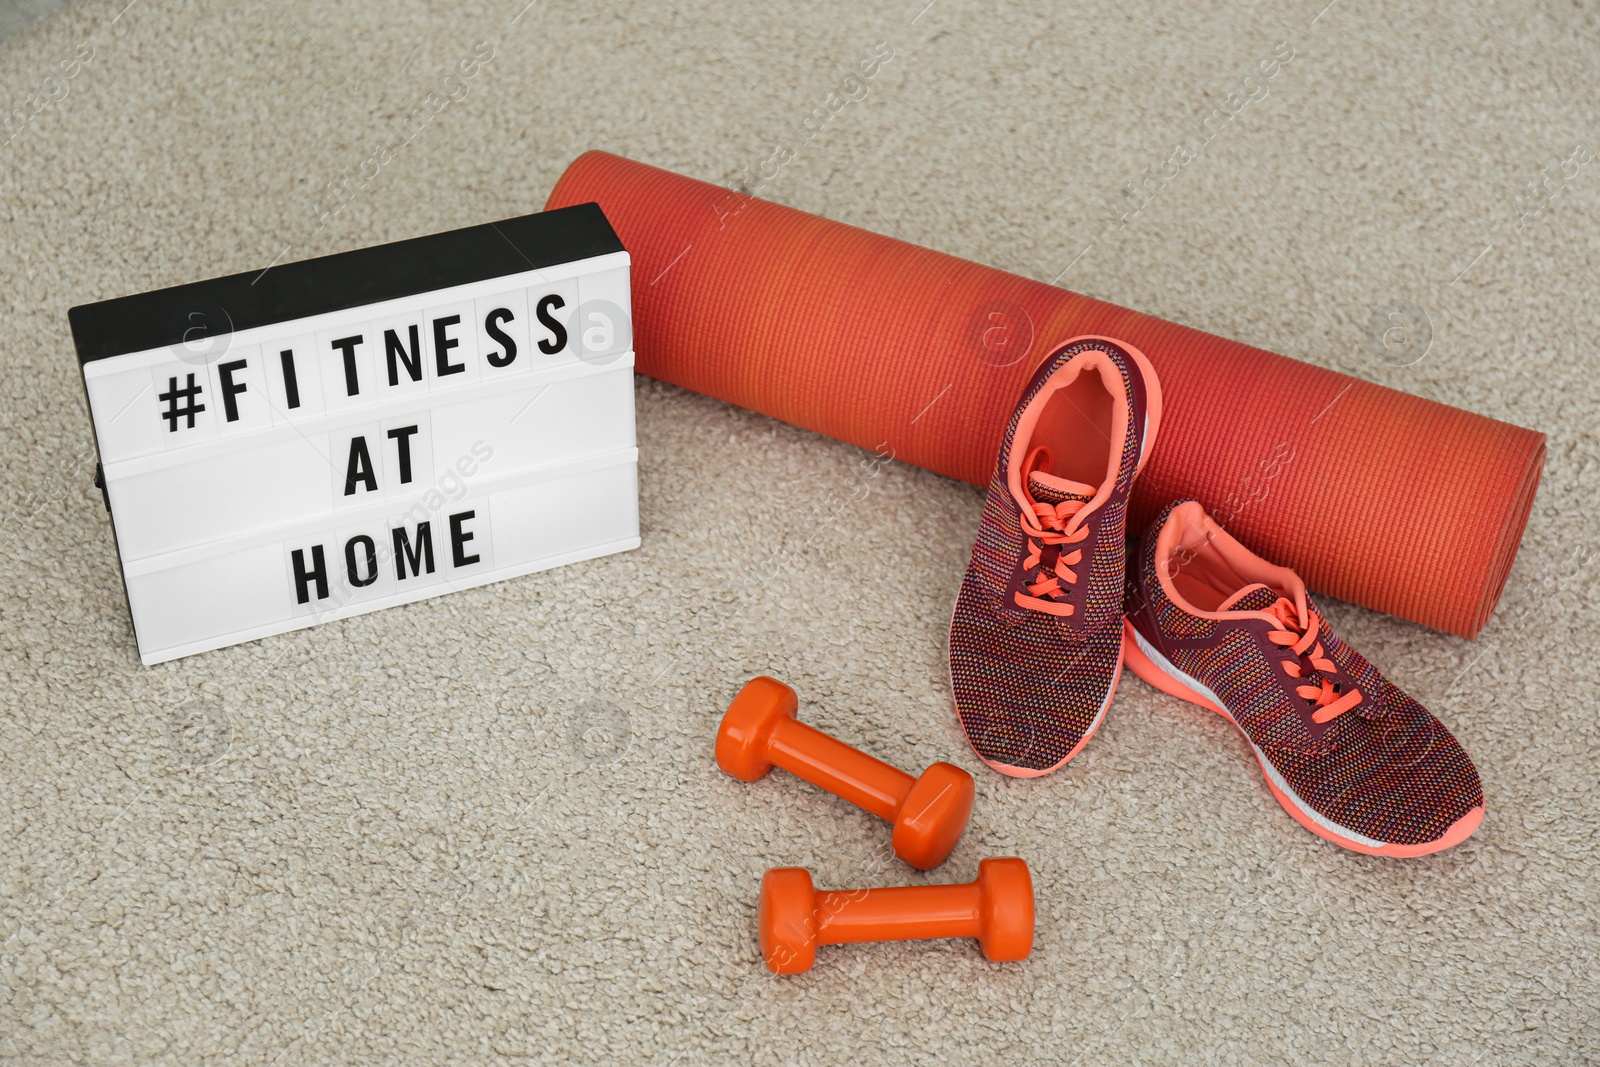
x=1051, y=526
x=1329, y=702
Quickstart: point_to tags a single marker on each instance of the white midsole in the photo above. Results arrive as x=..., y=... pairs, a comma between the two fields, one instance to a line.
x=1197, y=687
x=1104, y=707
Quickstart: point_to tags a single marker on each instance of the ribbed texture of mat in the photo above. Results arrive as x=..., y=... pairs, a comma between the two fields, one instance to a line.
x=1397, y=503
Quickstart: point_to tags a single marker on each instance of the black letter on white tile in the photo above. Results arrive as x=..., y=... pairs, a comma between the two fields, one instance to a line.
x=303, y=578
x=412, y=359
x=352, y=565
x=459, y=539
x=359, y=468
x=558, y=332
x=443, y=344
x=405, y=552
x=347, y=345
x=401, y=436
x=491, y=323
x=231, y=388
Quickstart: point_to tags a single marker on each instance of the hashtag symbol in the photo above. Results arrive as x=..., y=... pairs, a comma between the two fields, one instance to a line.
x=171, y=398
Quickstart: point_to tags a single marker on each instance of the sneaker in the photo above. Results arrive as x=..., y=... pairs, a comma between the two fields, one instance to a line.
x=1349, y=755
x=1036, y=636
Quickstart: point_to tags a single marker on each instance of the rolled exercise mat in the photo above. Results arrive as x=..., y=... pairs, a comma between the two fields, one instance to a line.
x=1397, y=503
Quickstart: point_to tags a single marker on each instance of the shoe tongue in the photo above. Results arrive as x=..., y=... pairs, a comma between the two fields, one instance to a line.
x=1048, y=489
x=1256, y=597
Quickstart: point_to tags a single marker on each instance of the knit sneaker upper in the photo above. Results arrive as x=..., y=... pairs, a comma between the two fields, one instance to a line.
x=1035, y=638
x=1349, y=744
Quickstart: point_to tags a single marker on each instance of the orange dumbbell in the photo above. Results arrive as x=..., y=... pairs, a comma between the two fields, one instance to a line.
x=793, y=918
x=929, y=813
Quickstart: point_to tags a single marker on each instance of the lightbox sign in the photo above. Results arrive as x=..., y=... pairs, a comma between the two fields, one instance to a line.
x=344, y=434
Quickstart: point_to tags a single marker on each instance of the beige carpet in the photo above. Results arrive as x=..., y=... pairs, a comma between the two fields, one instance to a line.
x=488, y=828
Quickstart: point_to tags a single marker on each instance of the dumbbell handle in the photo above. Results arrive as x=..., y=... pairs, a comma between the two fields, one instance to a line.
x=901, y=913
x=830, y=764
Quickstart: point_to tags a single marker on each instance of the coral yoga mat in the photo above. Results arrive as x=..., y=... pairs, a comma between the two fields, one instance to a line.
x=1374, y=496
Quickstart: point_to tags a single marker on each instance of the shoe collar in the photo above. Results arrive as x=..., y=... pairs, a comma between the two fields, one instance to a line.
x=1112, y=377
x=1187, y=531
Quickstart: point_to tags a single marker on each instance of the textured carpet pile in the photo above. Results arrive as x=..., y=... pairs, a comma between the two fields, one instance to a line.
x=488, y=827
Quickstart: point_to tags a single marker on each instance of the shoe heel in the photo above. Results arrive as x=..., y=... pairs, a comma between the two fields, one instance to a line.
x=1140, y=664
x=1152, y=402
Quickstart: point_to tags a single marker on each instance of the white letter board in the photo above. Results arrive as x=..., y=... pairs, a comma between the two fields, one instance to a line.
x=334, y=436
